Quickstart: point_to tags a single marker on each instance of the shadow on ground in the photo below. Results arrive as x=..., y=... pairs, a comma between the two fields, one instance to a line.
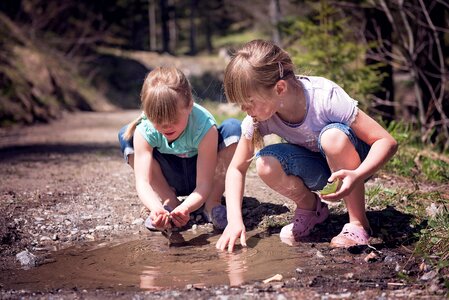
x=29, y=151
x=391, y=228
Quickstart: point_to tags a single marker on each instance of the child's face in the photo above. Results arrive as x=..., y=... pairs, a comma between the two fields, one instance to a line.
x=173, y=129
x=260, y=107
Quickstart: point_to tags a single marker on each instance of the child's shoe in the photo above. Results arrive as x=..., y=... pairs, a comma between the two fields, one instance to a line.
x=218, y=217
x=350, y=235
x=304, y=221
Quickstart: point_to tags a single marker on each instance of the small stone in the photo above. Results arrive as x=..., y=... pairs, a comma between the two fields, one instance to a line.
x=371, y=257
x=429, y=275
x=138, y=221
x=277, y=277
x=45, y=238
x=103, y=227
x=26, y=259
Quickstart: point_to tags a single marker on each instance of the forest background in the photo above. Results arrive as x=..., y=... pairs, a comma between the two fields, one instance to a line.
x=392, y=56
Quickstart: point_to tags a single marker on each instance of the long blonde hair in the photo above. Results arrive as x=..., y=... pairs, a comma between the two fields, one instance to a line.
x=162, y=90
x=256, y=67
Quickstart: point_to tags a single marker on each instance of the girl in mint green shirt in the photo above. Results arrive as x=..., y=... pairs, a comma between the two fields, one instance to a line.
x=177, y=150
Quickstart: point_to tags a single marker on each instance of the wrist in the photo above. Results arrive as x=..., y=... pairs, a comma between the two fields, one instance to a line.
x=186, y=206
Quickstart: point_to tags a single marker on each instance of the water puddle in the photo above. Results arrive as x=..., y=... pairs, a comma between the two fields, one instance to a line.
x=151, y=264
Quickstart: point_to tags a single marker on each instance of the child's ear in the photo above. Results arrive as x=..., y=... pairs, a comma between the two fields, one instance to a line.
x=280, y=87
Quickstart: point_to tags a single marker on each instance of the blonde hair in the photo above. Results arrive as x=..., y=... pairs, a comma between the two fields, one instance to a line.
x=162, y=90
x=256, y=67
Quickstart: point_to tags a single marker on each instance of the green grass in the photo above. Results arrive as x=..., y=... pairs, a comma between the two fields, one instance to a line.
x=413, y=159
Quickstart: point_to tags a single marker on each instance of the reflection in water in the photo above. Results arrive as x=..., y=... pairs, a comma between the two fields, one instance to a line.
x=150, y=263
x=148, y=276
x=236, y=266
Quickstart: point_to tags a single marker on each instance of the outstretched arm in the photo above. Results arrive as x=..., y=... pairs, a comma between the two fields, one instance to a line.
x=235, y=184
x=143, y=164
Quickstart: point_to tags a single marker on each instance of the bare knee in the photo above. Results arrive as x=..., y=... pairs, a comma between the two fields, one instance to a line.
x=266, y=166
x=225, y=155
x=334, y=141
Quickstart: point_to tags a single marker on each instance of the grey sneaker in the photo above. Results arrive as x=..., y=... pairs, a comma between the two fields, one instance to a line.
x=218, y=217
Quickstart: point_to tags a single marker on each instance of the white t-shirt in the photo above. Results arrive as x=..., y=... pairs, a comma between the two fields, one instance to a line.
x=326, y=103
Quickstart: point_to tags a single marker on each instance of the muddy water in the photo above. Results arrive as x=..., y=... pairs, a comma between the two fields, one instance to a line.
x=150, y=263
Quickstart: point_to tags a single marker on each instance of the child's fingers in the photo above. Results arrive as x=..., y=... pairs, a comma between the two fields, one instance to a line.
x=231, y=244
x=222, y=242
x=179, y=219
x=158, y=221
x=243, y=239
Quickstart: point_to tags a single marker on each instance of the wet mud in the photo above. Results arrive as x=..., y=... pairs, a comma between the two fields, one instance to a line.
x=151, y=263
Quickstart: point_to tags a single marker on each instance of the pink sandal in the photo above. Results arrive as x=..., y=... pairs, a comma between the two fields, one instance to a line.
x=350, y=235
x=304, y=221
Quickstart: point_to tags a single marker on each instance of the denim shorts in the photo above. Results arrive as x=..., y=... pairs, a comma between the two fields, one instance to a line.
x=311, y=166
x=180, y=172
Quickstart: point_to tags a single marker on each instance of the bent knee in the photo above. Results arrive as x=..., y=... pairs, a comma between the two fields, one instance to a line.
x=334, y=141
x=267, y=166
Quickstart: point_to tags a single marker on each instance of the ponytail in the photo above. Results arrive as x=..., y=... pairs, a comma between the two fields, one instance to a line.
x=129, y=133
x=257, y=139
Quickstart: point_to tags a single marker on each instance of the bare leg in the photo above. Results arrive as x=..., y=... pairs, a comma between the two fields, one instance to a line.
x=224, y=159
x=292, y=187
x=341, y=154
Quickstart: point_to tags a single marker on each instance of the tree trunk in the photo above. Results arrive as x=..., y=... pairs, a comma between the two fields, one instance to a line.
x=164, y=24
x=432, y=71
x=275, y=17
x=193, y=16
x=152, y=25
x=172, y=25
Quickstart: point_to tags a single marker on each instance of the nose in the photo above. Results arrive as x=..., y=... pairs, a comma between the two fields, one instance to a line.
x=166, y=126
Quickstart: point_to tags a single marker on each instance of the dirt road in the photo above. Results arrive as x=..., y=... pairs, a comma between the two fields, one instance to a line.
x=64, y=184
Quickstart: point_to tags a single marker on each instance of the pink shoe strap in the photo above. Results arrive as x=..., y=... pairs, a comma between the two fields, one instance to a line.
x=305, y=212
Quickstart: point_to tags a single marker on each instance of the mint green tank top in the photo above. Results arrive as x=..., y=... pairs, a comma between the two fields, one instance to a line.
x=186, y=145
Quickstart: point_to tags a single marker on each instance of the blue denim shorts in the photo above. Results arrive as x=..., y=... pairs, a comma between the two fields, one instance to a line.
x=180, y=172
x=311, y=166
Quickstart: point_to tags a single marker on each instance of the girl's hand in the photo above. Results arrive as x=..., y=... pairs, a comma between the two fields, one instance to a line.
x=349, y=178
x=160, y=218
x=180, y=215
x=230, y=235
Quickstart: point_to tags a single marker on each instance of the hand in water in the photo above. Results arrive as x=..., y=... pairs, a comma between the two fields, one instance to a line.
x=230, y=235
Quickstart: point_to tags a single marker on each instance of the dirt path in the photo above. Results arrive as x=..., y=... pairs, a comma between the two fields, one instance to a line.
x=64, y=184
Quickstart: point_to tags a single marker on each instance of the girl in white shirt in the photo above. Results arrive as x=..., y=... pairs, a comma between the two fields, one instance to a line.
x=327, y=138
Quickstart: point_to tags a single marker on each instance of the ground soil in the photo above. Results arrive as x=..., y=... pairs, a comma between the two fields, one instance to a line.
x=65, y=184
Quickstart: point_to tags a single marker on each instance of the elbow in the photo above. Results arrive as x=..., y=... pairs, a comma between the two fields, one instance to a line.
x=393, y=146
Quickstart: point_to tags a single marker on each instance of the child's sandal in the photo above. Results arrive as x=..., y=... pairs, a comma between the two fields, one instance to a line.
x=350, y=235
x=304, y=221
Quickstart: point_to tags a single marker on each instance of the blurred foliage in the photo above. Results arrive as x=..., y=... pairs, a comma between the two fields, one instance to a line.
x=326, y=47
